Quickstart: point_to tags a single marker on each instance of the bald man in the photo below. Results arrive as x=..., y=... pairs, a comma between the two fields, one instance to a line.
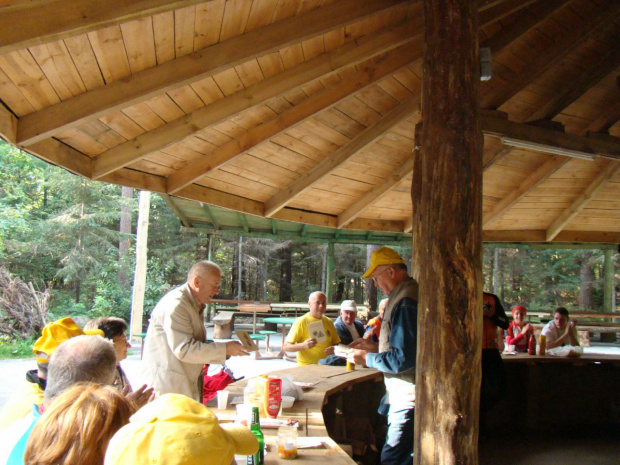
x=313, y=335
x=176, y=346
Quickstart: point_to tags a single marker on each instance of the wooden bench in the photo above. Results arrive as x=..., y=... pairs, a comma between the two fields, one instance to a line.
x=224, y=324
x=584, y=330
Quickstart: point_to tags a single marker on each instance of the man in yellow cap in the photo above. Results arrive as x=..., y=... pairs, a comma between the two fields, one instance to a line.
x=395, y=354
x=177, y=430
x=20, y=404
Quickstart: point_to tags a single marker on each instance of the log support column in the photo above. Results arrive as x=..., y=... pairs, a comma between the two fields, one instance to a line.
x=447, y=238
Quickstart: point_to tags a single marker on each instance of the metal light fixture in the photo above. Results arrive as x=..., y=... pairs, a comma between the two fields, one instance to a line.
x=547, y=148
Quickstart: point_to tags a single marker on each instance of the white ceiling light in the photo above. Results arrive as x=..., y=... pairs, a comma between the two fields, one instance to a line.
x=546, y=148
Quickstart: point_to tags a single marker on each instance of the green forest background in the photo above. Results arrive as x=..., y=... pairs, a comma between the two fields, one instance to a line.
x=76, y=238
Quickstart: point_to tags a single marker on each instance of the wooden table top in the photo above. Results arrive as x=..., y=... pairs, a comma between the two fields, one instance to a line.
x=325, y=380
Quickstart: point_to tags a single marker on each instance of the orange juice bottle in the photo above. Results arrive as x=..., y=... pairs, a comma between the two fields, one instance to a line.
x=273, y=396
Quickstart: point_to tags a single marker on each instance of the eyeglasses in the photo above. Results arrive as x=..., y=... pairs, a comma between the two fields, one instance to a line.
x=374, y=278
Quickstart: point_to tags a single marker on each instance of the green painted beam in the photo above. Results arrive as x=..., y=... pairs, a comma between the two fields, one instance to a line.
x=359, y=238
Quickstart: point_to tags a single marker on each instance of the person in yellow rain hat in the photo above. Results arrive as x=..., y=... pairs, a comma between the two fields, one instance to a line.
x=177, y=430
x=20, y=403
x=395, y=354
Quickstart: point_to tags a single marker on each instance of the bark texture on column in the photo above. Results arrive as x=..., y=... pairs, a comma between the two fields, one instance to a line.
x=447, y=238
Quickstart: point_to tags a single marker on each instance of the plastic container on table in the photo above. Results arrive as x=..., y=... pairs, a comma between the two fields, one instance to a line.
x=287, y=442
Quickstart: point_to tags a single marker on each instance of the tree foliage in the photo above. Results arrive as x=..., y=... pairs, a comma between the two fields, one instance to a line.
x=61, y=232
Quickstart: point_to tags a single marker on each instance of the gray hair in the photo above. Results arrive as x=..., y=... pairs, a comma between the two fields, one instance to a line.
x=203, y=269
x=80, y=359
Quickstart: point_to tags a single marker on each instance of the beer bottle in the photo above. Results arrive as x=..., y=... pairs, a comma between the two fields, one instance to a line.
x=259, y=457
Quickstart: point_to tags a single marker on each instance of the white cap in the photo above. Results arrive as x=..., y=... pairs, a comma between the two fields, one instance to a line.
x=348, y=305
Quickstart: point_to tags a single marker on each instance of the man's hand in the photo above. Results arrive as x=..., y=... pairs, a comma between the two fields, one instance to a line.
x=570, y=326
x=141, y=396
x=310, y=343
x=370, y=332
x=357, y=357
x=234, y=348
x=367, y=345
x=329, y=350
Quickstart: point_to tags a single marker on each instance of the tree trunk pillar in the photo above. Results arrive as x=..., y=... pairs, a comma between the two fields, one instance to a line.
x=139, y=281
x=447, y=238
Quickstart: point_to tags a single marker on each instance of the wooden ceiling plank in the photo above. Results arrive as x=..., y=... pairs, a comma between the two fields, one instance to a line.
x=277, y=125
x=544, y=60
x=369, y=135
x=607, y=148
x=35, y=23
x=583, y=200
x=8, y=125
x=193, y=67
x=375, y=194
x=135, y=149
x=575, y=88
x=539, y=176
x=177, y=211
x=523, y=22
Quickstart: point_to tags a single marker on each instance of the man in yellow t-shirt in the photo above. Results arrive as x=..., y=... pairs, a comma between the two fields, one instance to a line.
x=313, y=335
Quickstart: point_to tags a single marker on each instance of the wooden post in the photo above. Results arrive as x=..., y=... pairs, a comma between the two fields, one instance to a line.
x=330, y=272
x=139, y=280
x=447, y=238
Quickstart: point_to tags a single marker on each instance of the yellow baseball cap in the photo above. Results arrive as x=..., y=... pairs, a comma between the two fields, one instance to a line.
x=382, y=256
x=177, y=430
x=55, y=333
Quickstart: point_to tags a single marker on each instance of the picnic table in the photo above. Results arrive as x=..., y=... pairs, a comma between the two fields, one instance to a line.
x=282, y=321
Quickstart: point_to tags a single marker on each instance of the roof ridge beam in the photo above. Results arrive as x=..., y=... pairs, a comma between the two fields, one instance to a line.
x=608, y=147
x=583, y=200
x=193, y=67
x=395, y=116
x=252, y=96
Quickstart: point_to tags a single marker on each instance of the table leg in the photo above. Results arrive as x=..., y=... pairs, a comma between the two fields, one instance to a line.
x=254, y=324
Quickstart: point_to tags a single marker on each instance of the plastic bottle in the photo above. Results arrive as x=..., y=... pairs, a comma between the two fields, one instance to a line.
x=542, y=345
x=287, y=442
x=259, y=457
x=531, y=346
x=273, y=396
x=254, y=394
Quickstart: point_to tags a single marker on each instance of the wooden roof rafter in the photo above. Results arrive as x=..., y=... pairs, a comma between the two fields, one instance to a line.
x=191, y=68
x=298, y=100
x=349, y=54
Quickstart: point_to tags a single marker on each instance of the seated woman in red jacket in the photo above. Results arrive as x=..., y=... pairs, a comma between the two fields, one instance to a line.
x=519, y=331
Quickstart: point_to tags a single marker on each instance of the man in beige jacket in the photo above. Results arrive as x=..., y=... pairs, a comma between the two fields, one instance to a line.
x=175, y=348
